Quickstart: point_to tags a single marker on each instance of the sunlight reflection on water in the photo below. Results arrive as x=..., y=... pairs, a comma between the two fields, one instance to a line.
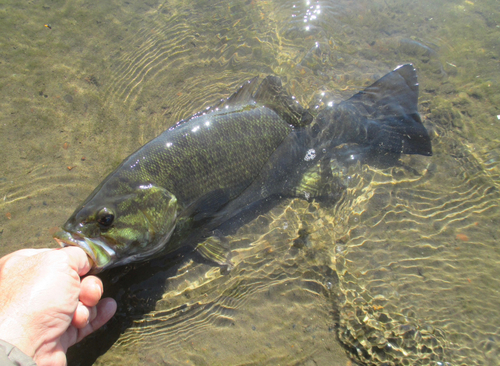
x=403, y=269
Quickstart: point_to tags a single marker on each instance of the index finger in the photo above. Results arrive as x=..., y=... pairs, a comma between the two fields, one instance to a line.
x=21, y=254
x=78, y=260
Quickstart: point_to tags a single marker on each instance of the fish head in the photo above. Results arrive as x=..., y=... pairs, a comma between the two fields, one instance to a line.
x=116, y=229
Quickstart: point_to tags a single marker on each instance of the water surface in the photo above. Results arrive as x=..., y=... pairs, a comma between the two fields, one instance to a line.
x=404, y=270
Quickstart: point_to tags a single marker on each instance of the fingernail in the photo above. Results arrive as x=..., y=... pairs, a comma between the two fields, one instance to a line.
x=99, y=287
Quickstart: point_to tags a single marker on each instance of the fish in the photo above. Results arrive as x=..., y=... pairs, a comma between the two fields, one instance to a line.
x=257, y=145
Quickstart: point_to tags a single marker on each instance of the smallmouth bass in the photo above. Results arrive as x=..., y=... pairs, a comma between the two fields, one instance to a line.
x=256, y=145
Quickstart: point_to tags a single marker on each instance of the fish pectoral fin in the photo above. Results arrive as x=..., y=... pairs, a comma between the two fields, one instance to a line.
x=207, y=206
x=272, y=94
x=215, y=250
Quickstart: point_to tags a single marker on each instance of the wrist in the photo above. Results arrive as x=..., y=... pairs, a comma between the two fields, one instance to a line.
x=13, y=332
x=15, y=355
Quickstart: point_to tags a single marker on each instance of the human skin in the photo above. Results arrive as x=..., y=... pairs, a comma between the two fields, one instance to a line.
x=45, y=306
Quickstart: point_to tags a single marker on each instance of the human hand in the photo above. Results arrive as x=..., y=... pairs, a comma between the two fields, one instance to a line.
x=44, y=305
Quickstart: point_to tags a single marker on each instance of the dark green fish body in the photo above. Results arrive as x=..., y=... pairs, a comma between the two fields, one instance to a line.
x=211, y=152
x=215, y=164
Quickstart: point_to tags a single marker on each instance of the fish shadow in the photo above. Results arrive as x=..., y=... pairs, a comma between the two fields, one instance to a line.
x=136, y=289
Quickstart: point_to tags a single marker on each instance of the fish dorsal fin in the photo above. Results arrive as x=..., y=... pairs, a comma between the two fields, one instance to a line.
x=271, y=94
x=391, y=104
x=241, y=97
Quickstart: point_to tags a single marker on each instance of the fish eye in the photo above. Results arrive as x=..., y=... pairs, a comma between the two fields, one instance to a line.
x=105, y=217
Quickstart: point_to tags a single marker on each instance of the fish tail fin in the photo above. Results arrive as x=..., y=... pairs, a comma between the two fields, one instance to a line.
x=383, y=117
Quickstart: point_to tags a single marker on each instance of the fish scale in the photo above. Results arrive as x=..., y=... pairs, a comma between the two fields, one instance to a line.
x=190, y=162
x=244, y=152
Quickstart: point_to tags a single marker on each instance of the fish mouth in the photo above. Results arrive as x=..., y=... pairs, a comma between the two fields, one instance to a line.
x=97, y=249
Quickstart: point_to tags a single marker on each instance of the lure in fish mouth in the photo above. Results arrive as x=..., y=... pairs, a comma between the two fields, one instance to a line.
x=257, y=144
x=100, y=252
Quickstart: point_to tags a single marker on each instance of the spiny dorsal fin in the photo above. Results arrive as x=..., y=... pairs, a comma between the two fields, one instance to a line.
x=241, y=97
x=273, y=96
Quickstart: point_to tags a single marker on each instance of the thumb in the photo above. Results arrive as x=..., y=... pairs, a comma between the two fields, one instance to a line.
x=78, y=260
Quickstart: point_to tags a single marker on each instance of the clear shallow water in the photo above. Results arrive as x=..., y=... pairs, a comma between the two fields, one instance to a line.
x=404, y=270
